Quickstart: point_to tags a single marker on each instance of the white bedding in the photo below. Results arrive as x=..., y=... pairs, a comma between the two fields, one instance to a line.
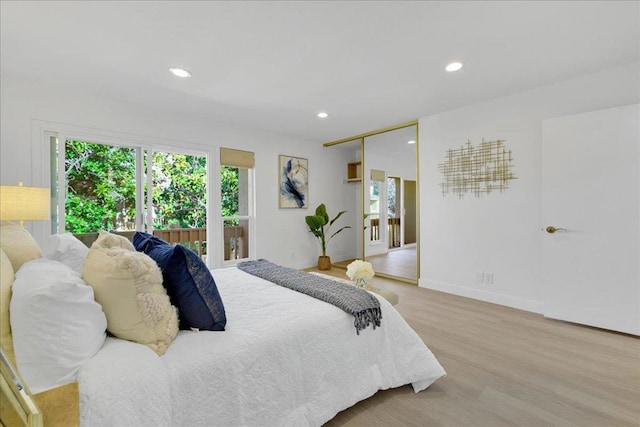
x=286, y=359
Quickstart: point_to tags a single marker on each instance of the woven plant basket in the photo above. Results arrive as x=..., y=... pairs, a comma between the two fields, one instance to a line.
x=324, y=263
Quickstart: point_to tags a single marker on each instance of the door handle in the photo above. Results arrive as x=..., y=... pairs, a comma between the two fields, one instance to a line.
x=551, y=229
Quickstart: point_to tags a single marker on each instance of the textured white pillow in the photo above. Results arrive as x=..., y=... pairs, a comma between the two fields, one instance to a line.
x=128, y=286
x=56, y=323
x=66, y=249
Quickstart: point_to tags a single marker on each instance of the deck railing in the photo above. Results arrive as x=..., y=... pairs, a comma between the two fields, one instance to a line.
x=235, y=245
x=393, y=231
x=375, y=229
x=193, y=238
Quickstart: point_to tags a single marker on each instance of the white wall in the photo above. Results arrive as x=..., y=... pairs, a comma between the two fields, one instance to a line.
x=501, y=233
x=282, y=236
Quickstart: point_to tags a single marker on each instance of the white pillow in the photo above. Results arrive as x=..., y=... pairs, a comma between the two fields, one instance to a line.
x=66, y=249
x=56, y=323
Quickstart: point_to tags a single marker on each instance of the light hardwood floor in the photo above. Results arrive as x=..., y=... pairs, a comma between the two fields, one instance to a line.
x=506, y=367
x=398, y=262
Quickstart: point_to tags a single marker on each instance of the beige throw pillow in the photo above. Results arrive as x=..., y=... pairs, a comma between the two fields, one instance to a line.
x=128, y=285
x=6, y=280
x=18, y=244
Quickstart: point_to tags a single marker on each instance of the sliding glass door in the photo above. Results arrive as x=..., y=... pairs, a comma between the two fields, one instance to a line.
x=121, y=189
x=123, y=186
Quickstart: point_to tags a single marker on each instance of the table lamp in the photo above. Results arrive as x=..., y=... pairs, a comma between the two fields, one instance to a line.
x=20, y=203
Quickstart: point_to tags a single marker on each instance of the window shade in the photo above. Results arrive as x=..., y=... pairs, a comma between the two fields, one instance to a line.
x=237, y=158
x=377, y=175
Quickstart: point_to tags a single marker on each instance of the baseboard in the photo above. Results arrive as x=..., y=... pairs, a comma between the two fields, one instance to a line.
x=301, y=265
x=307, y=262
x=482, y=295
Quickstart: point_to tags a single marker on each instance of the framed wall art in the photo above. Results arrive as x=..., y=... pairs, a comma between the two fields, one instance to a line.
x=294, y=182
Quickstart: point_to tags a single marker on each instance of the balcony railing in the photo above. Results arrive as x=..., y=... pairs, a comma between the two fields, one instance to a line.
x=193, y=238
x=393, y=231
x=235, y=245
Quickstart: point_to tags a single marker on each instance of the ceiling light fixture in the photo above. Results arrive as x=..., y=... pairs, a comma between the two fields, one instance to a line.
x=180, y=72
x=454, y=66
x=323, y=115
x=411, y=142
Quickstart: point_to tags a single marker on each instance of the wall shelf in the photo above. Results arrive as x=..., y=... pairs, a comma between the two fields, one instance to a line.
x=354, y=172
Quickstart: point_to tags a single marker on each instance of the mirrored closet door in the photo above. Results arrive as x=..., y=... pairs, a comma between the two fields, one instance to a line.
x=390, y=202
x=384, y=172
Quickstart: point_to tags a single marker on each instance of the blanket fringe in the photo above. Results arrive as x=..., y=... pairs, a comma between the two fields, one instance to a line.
x=370, y=316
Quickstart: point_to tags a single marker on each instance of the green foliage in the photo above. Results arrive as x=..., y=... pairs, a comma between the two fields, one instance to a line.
x=391, y=197
x=229, y=190
x=179, y=190
x=375, y=188
x=100, y=186
x=101, y=193
x=319, y=225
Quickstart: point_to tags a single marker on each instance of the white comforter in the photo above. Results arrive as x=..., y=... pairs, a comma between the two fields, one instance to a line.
x=286, y=359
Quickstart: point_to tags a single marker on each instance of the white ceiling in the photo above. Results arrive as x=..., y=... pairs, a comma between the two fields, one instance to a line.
x=274, y=65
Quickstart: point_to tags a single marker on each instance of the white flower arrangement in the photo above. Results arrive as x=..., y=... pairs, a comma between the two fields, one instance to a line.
x=359, y=269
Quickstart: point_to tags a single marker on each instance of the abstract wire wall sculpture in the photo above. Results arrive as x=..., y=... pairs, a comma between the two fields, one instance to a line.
x=478, y=170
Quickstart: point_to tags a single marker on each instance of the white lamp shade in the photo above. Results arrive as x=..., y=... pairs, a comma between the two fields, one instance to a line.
x=19, y=203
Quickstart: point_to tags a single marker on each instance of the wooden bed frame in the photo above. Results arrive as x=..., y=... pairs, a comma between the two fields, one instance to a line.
x=58, y=407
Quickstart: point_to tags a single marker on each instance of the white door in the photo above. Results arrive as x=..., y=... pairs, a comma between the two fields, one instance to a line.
x=591, y=188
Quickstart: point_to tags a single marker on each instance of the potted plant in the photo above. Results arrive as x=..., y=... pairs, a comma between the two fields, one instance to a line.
x=319, y=225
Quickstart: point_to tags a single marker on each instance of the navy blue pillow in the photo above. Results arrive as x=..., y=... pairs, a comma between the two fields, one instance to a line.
x=188, y=281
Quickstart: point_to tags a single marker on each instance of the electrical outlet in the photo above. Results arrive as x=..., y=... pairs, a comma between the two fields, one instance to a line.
x=488, y=278
x=479, y=277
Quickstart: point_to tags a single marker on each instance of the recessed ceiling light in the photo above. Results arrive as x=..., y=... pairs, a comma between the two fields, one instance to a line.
x=323, y=115
x=180, y=72
x=411, y=142
x=454, y=66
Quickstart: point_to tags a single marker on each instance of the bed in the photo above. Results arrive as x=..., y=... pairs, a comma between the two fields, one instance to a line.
x=285, y=359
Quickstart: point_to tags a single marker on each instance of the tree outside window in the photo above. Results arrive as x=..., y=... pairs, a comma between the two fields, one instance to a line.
x=101, y=188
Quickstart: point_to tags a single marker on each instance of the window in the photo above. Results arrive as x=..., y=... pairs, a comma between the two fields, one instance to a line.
x=105, y=187
x=374, y=210
x=179, y=183
x=178, y=212
x=236, y=193
x=394, y=212
x=377, y=205
x=100, y=187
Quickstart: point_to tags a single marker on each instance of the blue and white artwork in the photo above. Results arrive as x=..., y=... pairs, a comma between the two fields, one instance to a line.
x=294, y=182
